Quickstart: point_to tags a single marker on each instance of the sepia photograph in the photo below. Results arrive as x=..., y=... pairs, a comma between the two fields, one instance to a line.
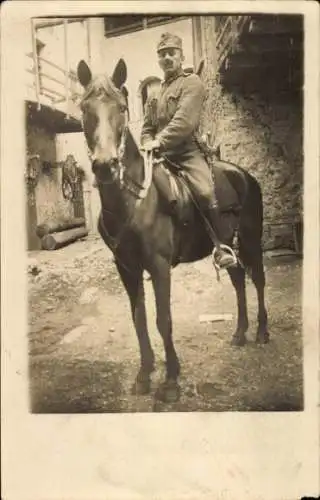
x=164, y=184
x=160, y=250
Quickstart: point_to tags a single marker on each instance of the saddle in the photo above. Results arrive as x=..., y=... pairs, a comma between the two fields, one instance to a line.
x=229, y=181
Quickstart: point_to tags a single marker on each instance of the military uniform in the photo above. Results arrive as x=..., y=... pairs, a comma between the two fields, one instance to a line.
x=170, y=124
x=173, y=118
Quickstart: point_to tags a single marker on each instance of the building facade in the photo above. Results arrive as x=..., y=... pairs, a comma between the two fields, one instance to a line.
x=253, y=73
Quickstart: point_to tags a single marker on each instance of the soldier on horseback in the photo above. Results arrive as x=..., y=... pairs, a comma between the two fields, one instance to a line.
x=170, y=125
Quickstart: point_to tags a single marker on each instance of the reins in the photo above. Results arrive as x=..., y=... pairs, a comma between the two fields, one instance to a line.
x=122, y=179
x=125, y=181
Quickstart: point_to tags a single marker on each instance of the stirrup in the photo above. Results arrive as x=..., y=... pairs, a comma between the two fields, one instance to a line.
x=227, y=249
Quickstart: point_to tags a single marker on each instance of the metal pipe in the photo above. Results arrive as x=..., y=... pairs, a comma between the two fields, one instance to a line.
x=66, y=60
x=50, y=63
x=88, y=40
x=55, y=92
x=35, y=64
x=57, y=22
x=48, y=77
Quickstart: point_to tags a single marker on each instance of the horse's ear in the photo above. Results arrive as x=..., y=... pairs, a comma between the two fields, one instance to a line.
x=84, y=73
x=120, y=74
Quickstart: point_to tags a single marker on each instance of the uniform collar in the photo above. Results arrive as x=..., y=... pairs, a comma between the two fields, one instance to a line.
x=173, y=77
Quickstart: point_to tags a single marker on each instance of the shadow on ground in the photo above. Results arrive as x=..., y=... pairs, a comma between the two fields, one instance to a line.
x=62, y=386
x=81, y=386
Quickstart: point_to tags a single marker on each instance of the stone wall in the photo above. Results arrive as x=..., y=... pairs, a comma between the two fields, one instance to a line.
x=265, y=137
x=261, y=132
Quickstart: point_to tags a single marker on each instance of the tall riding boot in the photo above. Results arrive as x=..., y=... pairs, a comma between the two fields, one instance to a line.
x=224, y=255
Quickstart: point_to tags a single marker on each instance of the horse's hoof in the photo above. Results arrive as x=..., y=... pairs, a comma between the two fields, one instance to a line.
x=238, y=341
x=141, y=387
x=262, y=338
x=168, y=392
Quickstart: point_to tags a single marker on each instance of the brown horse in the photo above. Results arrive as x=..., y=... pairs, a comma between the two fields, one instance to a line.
x=143, y=234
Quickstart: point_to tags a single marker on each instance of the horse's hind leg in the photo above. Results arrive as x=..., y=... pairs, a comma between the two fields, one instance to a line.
x=133, y=282
x=237, y=275
x=258, y=278
x=169, y=391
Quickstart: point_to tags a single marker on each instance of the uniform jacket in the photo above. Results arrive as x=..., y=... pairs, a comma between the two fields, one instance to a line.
x=173, y=117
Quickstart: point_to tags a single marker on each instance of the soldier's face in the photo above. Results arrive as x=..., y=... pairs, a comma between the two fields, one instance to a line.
x=170, y=60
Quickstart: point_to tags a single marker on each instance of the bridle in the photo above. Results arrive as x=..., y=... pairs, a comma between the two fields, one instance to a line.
x=120, y=156
x=123, y=179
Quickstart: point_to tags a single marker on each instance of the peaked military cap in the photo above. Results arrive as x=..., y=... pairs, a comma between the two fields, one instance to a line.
x=169, y=41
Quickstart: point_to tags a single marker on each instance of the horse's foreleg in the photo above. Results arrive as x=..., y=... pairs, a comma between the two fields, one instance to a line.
x=237, y=275
x=258, y=278
x=169, y=391
x=133, y=282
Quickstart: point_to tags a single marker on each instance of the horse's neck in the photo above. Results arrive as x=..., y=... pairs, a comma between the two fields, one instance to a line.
x=115, y=200
x=132, y=158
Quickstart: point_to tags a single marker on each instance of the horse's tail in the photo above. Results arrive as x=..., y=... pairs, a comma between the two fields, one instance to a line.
x=254, y=202
x=251, y=225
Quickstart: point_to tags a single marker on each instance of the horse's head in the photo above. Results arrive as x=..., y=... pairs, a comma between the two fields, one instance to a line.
x=104, y=108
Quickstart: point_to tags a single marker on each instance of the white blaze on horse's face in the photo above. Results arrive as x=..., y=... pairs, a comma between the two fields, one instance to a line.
x=103, y=114
x=103, y=123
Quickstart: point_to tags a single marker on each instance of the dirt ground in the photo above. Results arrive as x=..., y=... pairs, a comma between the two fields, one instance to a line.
x=84, y=355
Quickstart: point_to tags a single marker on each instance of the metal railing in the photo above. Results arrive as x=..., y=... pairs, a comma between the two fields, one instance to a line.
x=57, y=84
x=53, y=82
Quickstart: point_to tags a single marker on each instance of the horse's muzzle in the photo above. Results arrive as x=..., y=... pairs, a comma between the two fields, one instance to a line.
x=105, y=171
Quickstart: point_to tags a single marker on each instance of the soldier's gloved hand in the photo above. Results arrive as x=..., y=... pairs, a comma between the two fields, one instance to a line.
x=151, y=145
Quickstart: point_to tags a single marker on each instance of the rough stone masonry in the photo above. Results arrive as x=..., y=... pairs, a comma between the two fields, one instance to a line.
x=262, y=133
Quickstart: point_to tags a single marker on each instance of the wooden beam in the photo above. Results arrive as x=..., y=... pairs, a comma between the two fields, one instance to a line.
x=58, y=240
x=56, y=227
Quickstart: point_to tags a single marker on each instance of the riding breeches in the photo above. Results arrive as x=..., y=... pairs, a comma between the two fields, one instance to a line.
x=199, y=177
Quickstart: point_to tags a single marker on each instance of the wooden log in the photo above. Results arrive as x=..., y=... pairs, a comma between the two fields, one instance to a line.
x=56, y=227
x=57, y=240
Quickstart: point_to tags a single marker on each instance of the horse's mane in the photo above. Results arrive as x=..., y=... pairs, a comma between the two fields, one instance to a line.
x=103, y=82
